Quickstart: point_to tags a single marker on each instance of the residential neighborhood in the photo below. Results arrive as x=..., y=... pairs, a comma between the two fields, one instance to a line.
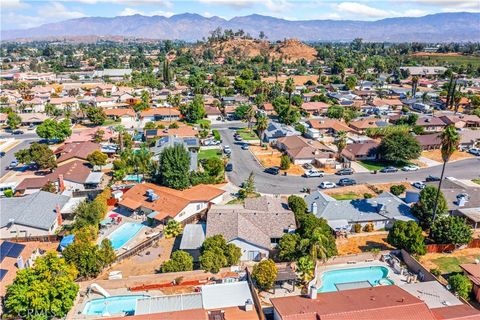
x=239, y=177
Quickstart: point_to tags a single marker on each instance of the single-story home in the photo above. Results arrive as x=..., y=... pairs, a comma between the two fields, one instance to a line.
x=469, y=138
x=431, y=124
x=365, y=150
x=75, y=151
x=382, y=211
x=212, y=112
x=276, y=130
x=126, y=116
x=472, y=271
x=183, y=131
x=330, y=126
x=363, y=124
x=159, y=114
x=315, y=108
x=33, y=118
x=429, y=141
x=302, y=150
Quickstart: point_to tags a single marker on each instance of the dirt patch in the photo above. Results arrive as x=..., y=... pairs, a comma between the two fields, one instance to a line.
x=436, y=155
x=362, y=243
x=385, y=187
x=270, y=157
x=144, y=263
x=359, y=190
x=436, y=54
x=445, y=261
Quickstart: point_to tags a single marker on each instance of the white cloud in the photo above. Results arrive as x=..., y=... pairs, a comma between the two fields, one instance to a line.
x=362, y=10
x=277, y=5
x=414, y=13
x=58, y=11
x=231, y=3
x=13, y=4
x=465, y=4
x=162, y=3
x=131, y=12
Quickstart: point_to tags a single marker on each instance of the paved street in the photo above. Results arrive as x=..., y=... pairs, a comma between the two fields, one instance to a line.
x=10, y=155
x=244, y=163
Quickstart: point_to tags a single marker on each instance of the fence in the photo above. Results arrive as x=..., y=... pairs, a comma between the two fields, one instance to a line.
x=415, y=266
x=140, y=247
x=439, y=248
x=45, y=238
x=256, y=300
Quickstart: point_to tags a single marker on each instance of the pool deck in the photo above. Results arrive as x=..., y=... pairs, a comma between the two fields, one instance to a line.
x=398, y=279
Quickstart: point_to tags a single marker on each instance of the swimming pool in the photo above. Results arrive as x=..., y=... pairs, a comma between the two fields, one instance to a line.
x=112, y=305
x=375, y=275
x=124, y=233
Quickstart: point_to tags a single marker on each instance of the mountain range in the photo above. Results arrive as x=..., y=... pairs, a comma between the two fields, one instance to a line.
x=440, y=27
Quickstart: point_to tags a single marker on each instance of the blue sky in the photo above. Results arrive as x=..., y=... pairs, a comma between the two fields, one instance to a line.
x=20, y=14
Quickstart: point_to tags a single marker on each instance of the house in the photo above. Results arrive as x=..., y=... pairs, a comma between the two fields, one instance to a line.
x=256, y=227
x=159, y=114
x=192, y=144
x=113, y=74
x=219, y=301
x=192, y=239
x=90, y=134
x=329, y=126
x=472, y=271
x=315, y=108
x=268, y=108
x=469, y=138
x=75, y=151
x=363, y=124
x=277, y=130
x=379, y=302
x=105, y=102
x=183, y=131
x=461, y=121
x=301, y=150
x=73, y=175
x=212, y=112
x=32, y=118
x=162, y=203
x=64, y=102
x=382, y=211
x=430, y=124
x=365, y=150
x=429, y=141
x=424, y=71
x=36, y=214
x=452, y=187
x=125, y=116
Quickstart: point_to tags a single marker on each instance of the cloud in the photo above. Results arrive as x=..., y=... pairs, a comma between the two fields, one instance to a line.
x=362, y=10
x=134, y=3
x=13, y=4
x=277, y=5
x=465, y=4
x=231, y=3
x=414, y=13
x=131, y=12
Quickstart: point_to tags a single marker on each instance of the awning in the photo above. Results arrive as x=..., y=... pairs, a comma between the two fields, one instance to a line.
x=106, y=221
x=341, y=224
x=153, y=214
x=94, y=178
x=66, y=241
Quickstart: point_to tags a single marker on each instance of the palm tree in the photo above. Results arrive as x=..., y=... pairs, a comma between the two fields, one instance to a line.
x=318, y=249
x=249, y=116
x=306, y=269
x=450, y=140
x=262, y=125
x=289, y=88
x=414, y=85
x=341, y=142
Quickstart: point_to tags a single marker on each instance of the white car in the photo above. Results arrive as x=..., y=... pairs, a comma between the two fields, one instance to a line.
x=227, y=150
x=313, y=174
x=327, y=185
x=474, y=151
x=411, y=167
x=418, y=184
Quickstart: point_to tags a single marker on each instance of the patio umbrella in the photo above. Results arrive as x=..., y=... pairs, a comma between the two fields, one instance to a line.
x=113, y=215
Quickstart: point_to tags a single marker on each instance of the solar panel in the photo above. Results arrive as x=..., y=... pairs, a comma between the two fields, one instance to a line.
x=10, y=249
x=4, y=248
x=16, y=250
x=3, y=272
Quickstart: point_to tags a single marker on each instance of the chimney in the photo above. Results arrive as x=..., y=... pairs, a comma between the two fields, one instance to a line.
x=313, y=293
x=61, y=183
x=314, y=208
x=59, y=214
x=249, y=305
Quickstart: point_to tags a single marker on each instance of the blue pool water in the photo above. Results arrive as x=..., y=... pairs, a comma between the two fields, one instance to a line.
x=371, y=274
x=112, y=305
x=124, y=233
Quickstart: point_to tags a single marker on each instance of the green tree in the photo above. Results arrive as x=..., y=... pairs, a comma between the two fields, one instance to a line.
x=172, y=229
x=96, y=115
x=264, y=274
x=351, y=82
x=262, y=125
x=212, y=261
x=180, y=261
x=397, y=189
x=297, y=205
x=335, y=112
x=174, y=167
x=285, y=162
x=289, y=88
x=341, y=142
x=451, y=230
x=150, y=125
x=214, y=167
x=106, y=252
x=408, y=236
x=287, y=113
x=233, y=254
x=248, y=186
x=38, y=153
x=288, y=247
x=46, y=288
x=216, y=254
x=460, y=284
x=97, y=158
x=84, y=256
x=51, y=129
x=195, y=110
x=423, y=209
x=13, y=120
x=306, y=269
x=398, y=147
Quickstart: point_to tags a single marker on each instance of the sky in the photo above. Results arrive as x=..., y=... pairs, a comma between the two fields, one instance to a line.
x=22, y=14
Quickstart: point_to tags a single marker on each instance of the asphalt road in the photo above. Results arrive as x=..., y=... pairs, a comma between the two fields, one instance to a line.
x=244, y=162
x=10, y=155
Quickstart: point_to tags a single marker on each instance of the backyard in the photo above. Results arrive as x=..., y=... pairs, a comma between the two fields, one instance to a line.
x=362, y=243
x=449, y=262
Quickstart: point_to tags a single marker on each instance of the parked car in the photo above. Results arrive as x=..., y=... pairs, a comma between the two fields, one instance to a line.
x=327, y=185
x=474, y=151
x=273, y=170
x=313, y=173
x=238, y=138
x=245, y=146
x=389, y=170
x=465, y=196
x=346, y=182
x=17, y=132
x=411, y=167
x=344, y=172
x=13, y=164
x=227, y=150
x=418, y=184
x=432, y=178
x=307, y=166
x=229, y=167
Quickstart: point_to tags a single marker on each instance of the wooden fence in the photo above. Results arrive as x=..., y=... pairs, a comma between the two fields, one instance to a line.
x=439, y=248
x=139, y=247
x=256, y=299
x=45, y=238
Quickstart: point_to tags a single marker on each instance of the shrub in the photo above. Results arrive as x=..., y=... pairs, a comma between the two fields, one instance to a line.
x=461, y=285
x=368, y=227
x=367, y=195
x=216, y=135
x=397, y=189
x=8, y=193
x=436, y=272
x=285, y=162
x=357, y=227
x=265, y=274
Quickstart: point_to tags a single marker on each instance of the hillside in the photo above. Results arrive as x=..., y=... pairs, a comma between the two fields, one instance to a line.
x=289, y=50
x=441, y=27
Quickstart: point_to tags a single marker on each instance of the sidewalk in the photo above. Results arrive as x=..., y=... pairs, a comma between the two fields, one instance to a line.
x=429, y=162
x=358, y=168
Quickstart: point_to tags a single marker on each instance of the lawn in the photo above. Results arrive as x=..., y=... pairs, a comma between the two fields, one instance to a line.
x=204, y=122
x=449, y=262
x=346, y=196
x=247, y=134
x=477, y=181
x=379, y=164
x=446, y=59
x=209, y=153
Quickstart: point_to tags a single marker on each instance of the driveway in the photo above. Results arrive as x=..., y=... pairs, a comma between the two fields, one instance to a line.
x=244, y=163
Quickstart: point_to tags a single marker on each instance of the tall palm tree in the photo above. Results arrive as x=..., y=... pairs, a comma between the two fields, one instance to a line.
x=249, y=116
x=414, y=85
x=289, y=88
x=262, y=125
x=341, y=142
x=450, y=140
x=318, y=248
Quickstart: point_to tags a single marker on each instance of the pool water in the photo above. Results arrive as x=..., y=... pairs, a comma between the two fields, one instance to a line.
x=112, y=305
x=374, y=275
x=124, y=233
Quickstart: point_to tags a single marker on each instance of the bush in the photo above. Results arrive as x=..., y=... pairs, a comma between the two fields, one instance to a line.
x=368, y=227
x=367, y=195
x=8, y=193
x=357, y=227
x=181, y=261
x=397, y=189
x=216, y=135
x=285, y=162
x=265, y=274
x=172, y=229
x=461, y=285
x=408, y=236
x=436, y=272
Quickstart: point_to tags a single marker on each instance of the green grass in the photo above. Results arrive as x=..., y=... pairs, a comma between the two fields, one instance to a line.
x=346, y=196
x=447, y=60
x=379, y=164
x=209, y=153
x=477, y=181
x=247, y=135
x=204, y=122
x=452, y=264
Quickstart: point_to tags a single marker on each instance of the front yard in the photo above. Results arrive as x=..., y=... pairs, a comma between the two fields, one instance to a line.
x=436, y=155
x=378, y=164
x=209, y=153
x=247, y=134
x=270, y=157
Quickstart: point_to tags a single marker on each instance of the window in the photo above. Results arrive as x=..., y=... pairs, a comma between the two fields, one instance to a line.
x=274, y=241
x=199, y=206
x=254, y=255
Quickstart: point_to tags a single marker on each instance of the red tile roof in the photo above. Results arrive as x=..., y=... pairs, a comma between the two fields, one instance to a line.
x=458, y=312
x=160, y=112
x=473, y=271
x=119, y=112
